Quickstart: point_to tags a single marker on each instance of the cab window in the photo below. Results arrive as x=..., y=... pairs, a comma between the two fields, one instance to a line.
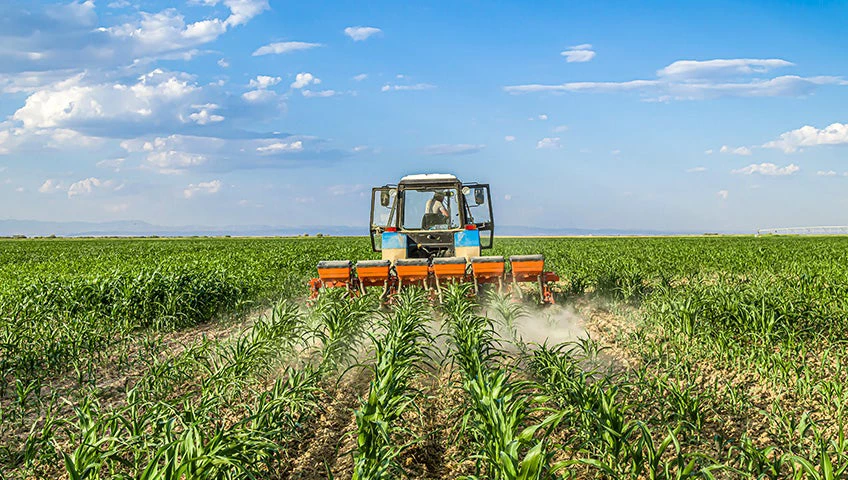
x=431, y=209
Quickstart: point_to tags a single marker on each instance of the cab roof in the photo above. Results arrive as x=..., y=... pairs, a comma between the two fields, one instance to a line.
x=429, y=177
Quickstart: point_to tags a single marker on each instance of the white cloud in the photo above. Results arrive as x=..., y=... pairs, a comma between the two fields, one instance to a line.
x=723, y=194
x=223, y=63
x=204, y=188
x=284, y=47
x=686, y=69
x=259, y=96
x=319, y=93
x=709, y=152
x=172, y=162
x=696, y=169
x=809, y=136
x=114, y=164
x=4, y=138
x=263, y=82
x=360, y=77
x=507, y=197
x=179, y=153
x=560, y=129
x=241, y=11
x=828, y=173
x=167, y=31
x=174, y=154
x=45, y=39
x=78, y=12
x=745, y=151
x=359, y=34
x=204, y=115
x=615, y=152
x=304, y=79
x=542, y=117
x=89, y=185
x=401, y=88
x=457, y=149
x=156, y=95
x=509, y=138
x=578, y=53
x=280, y=147
x=50, y=186
x=549, y=142
x=767, y=169
x=699, y=80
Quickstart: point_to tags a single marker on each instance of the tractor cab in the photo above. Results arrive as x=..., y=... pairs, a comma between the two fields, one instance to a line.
x=431, y=215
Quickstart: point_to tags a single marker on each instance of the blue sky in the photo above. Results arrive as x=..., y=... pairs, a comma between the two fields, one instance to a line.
x=698, y=116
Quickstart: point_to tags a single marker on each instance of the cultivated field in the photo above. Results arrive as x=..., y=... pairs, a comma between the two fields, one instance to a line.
x=200, y=358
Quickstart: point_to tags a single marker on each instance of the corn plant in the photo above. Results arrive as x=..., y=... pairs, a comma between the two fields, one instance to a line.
x=400, y=353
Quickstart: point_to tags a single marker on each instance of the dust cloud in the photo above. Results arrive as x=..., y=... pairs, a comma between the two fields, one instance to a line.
x=552, y=325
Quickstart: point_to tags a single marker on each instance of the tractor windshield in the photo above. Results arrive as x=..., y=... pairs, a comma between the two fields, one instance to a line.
x=431, y=209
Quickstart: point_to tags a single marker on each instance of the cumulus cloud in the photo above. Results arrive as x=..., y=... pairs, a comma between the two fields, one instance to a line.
x=509, y=138
x=259, y=96
x=37, y=41
x=50, y=186
x=80, y=109
x=167, y=31
x=88, y=185
x=769, y=169
x=172, y=155
x=73, y=101
x=264, y=81
x=699, y=80
x=284, y=47
x=359, y=34
x=745, y=151
x=181, y=154
x=549, y=142
x=172, y=162
x=723, y=194
x=279, y=147
x=223, y=63
x=827, y=173
x=360, y=77
x=304, y=79
x=204, y=116
x=202, y=188
x=578, y=53
x=401, y=88
x=809, y=136
x=456, y=149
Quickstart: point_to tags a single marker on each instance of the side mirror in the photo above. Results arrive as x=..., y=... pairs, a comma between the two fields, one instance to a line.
x=479, y=196
x=384, y=198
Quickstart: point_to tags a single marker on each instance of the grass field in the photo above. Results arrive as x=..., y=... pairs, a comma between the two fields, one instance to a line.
x=706, y=357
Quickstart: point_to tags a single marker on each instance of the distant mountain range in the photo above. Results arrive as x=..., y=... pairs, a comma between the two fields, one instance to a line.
x=130, y=228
